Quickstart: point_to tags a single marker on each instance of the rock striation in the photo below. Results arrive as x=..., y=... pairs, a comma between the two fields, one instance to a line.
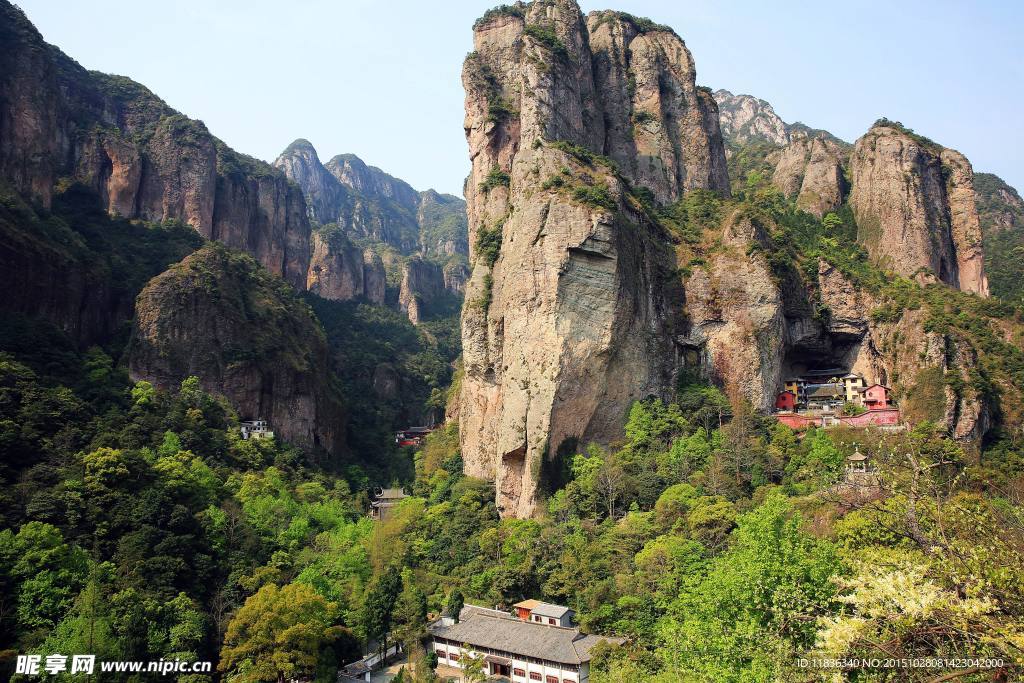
x=140, y=157
x=342, y=271
x=745, y=118
x=810, y=170
x=572, y=305
x=255, y=343
x=914, y=202
x=369, y=204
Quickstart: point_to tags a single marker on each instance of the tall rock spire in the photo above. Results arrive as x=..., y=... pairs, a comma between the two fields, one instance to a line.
x=573, y=305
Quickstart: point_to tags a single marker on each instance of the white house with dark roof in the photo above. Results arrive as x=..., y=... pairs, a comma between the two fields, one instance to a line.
x=546, y=613
x=522, y=650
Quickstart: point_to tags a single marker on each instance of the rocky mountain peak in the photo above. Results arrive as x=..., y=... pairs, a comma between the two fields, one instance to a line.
x=568, y=317
x=810, y=170
x=915, y=206
x=745, y=118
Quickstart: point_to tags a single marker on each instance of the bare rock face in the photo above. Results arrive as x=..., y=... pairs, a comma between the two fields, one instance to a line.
x=455, y=274
x=810, y=169
x=255, y=344
x=915, y=207
x=370, y=181
x=142, y=158
x=736, y=317
x=745, y=118
x=662, y=129
x=572, y=307
x=369, y=204
x=422, y=283
x=341, y=271
x=324, y=193
x=374, y=277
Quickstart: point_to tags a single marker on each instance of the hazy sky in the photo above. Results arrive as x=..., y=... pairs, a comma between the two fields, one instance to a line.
x=381, y=79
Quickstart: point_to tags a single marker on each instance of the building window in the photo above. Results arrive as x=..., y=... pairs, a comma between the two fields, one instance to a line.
x=518, y=672
x=534, y=676
x=537, y=619
x=551, y=679
x=440, y=653
x=454, y=656
x=551, y=621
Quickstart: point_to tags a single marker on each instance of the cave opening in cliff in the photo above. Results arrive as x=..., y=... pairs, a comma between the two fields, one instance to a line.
x=829, y=355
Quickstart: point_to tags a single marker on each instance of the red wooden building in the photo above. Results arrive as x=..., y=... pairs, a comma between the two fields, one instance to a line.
x=785, y=401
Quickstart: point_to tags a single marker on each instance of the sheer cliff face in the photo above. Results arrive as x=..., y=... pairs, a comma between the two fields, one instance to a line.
x=810, y=170
x=915, y=207
x=660, y=128
x=254, y=343
x=745, y=118
x=341, y=271
x=356, y=202
x=143, y=159
x=369, y=204
x=574, y=316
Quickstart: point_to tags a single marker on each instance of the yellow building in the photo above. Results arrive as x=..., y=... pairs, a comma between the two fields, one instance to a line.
x=796, y=387
x=851, y=384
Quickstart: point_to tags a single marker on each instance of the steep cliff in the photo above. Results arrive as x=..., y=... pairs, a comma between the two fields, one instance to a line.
x=745, y=118
x=915, y=207
x=142, y=158
x=254, y=343
x=1001, y=212
x=78, y=267
x=369, y=204
x=342, y=271
x=810, y=170
x=571, y=309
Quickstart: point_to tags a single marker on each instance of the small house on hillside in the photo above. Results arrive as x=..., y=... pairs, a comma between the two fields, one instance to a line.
x=383, y=501
x=785, y=401
x=875, y=397
x=255, y=429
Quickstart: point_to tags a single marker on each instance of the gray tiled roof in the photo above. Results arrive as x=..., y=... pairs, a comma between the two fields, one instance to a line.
x=824, y=391
x=546, y=609
x=493, y=630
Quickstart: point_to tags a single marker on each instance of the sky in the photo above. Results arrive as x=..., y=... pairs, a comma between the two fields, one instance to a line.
x=381, y=78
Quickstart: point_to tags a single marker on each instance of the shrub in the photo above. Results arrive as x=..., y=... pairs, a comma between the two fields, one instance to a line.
x=488, y=244
x=597, y=196
x=495, y=178
x=546, y=36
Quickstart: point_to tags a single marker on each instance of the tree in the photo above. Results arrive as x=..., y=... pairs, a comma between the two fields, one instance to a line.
x=473, y=670
x=378, y=611
x=277, y=633
x=454, y=604
x=610, y=481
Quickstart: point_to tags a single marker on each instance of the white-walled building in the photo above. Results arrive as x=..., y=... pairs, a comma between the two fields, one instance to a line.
x=255, y=429
x=522, y=650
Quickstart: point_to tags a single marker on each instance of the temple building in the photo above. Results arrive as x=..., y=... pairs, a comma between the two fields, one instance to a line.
x=383, y=502
x=536, y=643
x=833, y=397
